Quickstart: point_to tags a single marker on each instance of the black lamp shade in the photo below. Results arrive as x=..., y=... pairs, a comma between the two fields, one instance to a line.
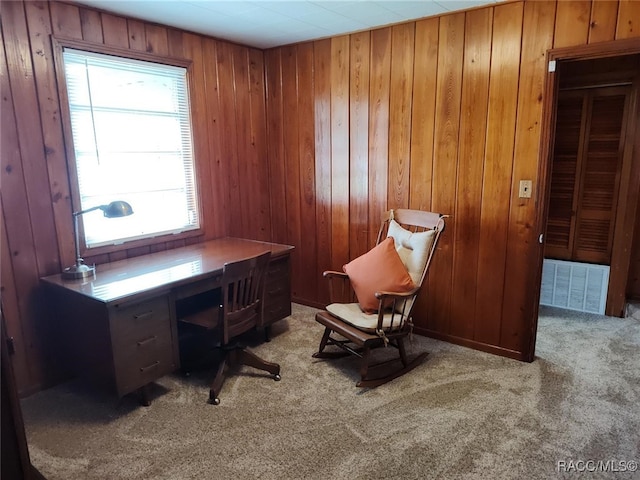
x=117, y=209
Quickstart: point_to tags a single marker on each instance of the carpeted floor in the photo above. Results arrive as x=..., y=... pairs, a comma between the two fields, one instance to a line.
x=463, y=414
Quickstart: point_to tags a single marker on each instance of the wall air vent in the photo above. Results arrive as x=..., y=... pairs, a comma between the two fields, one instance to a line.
x=576, y=286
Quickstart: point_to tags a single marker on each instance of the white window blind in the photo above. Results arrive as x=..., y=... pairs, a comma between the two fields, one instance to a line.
x=132, y=139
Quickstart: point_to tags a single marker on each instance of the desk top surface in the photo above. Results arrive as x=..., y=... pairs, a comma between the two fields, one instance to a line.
x=155, y=271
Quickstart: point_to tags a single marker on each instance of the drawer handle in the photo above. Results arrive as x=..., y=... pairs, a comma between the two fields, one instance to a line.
x=141, y=316
x=146, y=340
x=149, y=367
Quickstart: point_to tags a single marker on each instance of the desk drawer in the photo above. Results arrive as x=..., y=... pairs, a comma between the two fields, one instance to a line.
x=276, y=309
x=277, y=299
x=278, y=281
x=130, y=322
x=141, y=343
x=143, y=362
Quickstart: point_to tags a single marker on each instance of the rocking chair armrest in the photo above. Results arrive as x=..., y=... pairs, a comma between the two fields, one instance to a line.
x=340, y=288
x=332, y=274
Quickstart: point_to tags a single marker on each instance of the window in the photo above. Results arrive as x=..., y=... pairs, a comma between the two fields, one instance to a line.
x=132, y=140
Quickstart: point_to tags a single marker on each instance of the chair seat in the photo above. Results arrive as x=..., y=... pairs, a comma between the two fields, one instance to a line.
x=368, y=322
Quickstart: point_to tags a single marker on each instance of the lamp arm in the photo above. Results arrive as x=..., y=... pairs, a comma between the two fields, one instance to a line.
x=77, y=214
x=79, y=260
x=76, y=238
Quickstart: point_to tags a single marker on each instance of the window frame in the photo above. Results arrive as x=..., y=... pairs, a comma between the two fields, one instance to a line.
x=72, y=175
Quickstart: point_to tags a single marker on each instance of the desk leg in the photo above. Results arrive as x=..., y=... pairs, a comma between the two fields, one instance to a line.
x=267, y=333
x=144, y=395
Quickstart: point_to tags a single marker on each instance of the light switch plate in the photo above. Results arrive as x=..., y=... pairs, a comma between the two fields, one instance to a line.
x=525, y=188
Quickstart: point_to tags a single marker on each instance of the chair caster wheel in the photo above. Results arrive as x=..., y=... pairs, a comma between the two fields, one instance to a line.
x=214, y=401
x=277, y=377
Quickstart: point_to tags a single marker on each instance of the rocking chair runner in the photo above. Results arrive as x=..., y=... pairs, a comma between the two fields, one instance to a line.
x=415, y=236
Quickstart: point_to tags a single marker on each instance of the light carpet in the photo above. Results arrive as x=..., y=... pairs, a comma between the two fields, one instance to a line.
x=462, y=414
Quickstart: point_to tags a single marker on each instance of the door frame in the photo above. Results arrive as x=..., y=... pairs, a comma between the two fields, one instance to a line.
x=625, y=217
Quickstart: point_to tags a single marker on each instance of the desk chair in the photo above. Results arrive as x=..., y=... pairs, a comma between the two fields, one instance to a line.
x=240, y=310
x=385, y=282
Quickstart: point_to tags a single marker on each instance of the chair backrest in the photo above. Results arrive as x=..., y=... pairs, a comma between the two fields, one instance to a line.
x=415, y=237
x=243, y=285
x=416, y=234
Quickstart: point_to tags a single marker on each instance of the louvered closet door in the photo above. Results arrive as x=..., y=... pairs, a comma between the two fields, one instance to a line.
x=585, y=176
x=563, y=196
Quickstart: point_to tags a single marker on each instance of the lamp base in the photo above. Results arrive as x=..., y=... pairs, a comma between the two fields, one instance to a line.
x=78, y=271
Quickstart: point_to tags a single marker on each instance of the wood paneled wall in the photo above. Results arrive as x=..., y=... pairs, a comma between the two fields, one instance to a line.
x=441, y=114
x=229, y=132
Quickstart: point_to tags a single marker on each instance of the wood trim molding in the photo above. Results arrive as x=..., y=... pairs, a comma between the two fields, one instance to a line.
x=61, y=42
x=615, y=302
x=614, y=48
x=58, y=44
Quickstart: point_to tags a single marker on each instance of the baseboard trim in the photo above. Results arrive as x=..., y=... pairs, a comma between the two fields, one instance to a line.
x=483, y=347
x=308, y=303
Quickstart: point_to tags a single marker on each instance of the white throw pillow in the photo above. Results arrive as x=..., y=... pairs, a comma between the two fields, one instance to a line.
x=413, y=248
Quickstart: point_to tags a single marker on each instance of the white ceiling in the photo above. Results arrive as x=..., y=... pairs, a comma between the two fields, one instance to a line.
x=270, y=23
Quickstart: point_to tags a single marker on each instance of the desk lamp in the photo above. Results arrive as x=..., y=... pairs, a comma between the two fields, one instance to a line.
x=112, y=210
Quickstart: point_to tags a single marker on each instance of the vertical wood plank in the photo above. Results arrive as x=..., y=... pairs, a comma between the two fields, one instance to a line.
x=137, y=39
x=262, y=226
x=322, y=121
x=423, y=124
x=339, y=151
x=247, y=183
x=359, y=144
x=217, y=164
x=39, y=25
x=423, y=113
x=628, y=19
x=496, y=188
x=473, y=131
x=18, y=223
x=275, y=145
x=30, y=139
x=445, y=159
x=114, y=31
x=18, y=256
x=91, y=25
x=175, y=40
x=379, y=85
x=602, y=27
x=572, y=23
x=156, y=39
x=291, y=161
x=65, y=20
x=10, y=309
x=228, y=133
x=306, y=155
x=199, y=116
x=522, y=245
x=400, y=103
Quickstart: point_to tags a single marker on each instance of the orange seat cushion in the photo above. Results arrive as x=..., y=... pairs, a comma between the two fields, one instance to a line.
x=378, y=270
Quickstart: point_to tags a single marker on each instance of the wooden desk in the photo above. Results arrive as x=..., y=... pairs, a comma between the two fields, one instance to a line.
x=120, y=327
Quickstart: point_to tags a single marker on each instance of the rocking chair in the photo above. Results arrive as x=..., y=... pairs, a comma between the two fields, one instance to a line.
x=386, y=282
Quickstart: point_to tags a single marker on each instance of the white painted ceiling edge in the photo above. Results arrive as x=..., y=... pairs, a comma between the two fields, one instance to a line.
x=271, y=23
